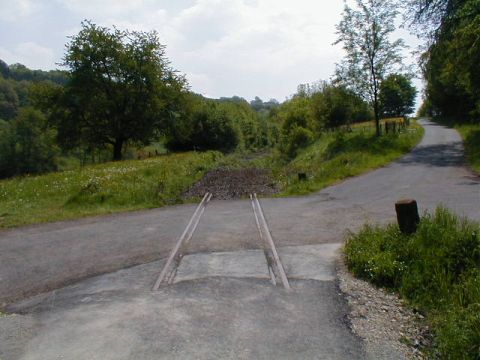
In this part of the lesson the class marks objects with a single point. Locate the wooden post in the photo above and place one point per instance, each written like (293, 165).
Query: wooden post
(407, 216)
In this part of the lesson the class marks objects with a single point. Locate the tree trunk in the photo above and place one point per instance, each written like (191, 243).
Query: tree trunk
(117, 149)
(377, 115)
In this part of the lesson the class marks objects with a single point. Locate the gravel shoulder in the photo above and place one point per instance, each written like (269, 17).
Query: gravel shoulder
(388, 327)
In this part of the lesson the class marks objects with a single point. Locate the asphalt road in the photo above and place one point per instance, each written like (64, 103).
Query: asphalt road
(212, 313)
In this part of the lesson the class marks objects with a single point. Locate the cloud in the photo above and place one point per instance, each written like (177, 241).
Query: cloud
(262, 42)
(31, 54)
(105, 8)
(225, 47)
(12, 10)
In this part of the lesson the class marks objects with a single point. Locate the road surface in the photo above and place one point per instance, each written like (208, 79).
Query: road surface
(221, 312)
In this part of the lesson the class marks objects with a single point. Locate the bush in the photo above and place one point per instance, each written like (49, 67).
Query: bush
(295, 140)
(437, 269)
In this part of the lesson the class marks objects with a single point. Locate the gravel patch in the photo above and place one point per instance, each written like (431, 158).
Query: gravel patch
(389, 329)
(226, 184)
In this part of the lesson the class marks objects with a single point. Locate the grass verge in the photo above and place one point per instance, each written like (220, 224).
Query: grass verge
(155, 182)
(470, 134)
(471, 139)
(437, 270)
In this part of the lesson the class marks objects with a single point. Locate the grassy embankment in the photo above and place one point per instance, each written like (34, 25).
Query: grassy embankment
(332, 158)
(437, 270)
(471, 138)
(142, 184)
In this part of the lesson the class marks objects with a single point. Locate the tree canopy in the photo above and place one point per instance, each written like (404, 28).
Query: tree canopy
(397, 96)
(450, 63)
(121, 89)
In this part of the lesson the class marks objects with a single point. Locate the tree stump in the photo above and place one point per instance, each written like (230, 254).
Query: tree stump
(407, 216)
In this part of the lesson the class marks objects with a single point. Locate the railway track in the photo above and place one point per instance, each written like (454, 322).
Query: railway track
(273, 261)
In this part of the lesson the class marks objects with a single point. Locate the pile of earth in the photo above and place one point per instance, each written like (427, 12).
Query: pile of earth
(227, 184)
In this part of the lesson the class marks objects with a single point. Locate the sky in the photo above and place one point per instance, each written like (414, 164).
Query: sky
(247, 48)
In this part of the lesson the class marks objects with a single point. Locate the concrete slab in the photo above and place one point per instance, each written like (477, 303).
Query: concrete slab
(236, 264)
(310, 262)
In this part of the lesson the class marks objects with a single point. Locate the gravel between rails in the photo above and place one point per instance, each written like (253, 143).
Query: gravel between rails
(388, 327)
(226, 184)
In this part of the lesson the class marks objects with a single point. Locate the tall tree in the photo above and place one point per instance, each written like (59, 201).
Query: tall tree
(428, 18)
(397, 96)
(370, 54)
(450, 63)
(121, 89)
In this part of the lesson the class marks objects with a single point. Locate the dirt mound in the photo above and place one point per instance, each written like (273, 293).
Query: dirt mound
(233, 184)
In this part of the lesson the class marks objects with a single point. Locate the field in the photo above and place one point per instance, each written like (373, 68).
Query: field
(99, 189)
(160, 181)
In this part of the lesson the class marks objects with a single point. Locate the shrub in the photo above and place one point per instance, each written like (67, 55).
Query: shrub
(296, 139)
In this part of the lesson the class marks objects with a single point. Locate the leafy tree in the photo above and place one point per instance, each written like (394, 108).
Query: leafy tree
(27, 144)
(7, 150)
(370, 55)
(9, 101)
(4, 70)
(35, 149)
(397, 96)
(450, 63)
(334, 106)
(429, 18)
(209, 126)
(121, 89)
(425, 110)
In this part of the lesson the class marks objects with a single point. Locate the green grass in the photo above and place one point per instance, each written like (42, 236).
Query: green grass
(100, 189)
(337, 156)
(159, 181)
(437, 270)
(471, 138)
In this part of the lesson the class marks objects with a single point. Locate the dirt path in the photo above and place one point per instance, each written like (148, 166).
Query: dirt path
(116, 316)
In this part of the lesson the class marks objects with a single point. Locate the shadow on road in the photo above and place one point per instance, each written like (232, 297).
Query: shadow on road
(439, 155)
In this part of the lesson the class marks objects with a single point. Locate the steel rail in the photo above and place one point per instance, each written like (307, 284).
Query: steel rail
(174, 253)
(276, 257)
(179, 256)
(264, 242)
